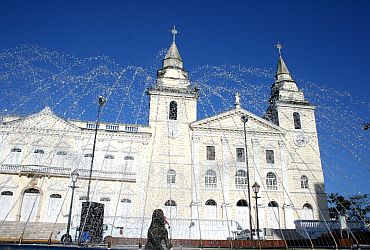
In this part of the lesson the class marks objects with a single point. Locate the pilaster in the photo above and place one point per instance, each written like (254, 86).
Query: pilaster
(288, 206)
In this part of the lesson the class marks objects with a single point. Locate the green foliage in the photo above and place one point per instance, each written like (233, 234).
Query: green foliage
(355, 207)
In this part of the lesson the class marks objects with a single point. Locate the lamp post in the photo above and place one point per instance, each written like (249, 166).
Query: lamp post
(256, 189)
(74, 177)
(101, 102)
(244, 119)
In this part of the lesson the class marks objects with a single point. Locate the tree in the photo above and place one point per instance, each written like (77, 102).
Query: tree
(355, 207)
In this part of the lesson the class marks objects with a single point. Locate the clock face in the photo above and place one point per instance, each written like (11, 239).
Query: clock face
(173, 130)
(300, 140)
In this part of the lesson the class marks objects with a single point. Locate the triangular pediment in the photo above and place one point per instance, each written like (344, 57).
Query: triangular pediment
(231, 120)
(45, 119)
(56, 187)
(107, 149)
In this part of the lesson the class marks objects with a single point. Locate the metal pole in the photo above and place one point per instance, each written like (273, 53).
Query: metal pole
(245, 119)
(93, 154)
(70, 212)
(258, 225)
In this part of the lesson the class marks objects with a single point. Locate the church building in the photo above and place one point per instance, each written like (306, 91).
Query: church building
(196, 169)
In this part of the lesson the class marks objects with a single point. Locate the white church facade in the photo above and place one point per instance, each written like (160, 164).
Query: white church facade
(193, 169)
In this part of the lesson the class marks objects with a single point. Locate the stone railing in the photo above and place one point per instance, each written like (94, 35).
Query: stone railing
(314, 228)
(60, 171)
(137, 227)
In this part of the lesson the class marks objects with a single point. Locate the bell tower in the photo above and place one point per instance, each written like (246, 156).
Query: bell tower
(290, 110)
(173, 106)
(172, 99)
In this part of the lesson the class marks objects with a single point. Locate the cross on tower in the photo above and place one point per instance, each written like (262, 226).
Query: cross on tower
(174, 33)
(279, 47)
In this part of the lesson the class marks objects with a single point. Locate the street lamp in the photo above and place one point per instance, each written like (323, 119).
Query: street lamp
(74, 177)
(244, 119)
(101, 102)
(256, 189)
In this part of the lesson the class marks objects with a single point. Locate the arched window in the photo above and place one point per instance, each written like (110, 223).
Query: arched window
(10, 193)
(173, 111)
(170, 203)
(307, 205)
(39, 151)
(304, 181)
(32, 191)
(297, 120)
(271, 181)
(83, 198)
(16, 150)
(111, 157)
(241, 179)
(211, 202)
(129, 158)
(171, 177)
(211, 179)
(307, 212)
(242, 203)
(55, 196)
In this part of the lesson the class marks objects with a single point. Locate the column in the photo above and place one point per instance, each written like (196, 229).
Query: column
(288, 206)
(225, 178)
(256, 161)
(195, 186)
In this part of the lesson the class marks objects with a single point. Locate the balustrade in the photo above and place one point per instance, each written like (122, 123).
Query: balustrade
(60, 171)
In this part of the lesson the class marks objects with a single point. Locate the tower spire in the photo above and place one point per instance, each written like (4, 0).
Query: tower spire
(173, 58)
(172, 74)
(282, 72)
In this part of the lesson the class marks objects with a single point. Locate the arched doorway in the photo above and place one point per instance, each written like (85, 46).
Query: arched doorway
(54, 207)
(307, 212)
(211, 209)
(242, 213)
(274, 217)
(6, 200)
(170, 209)
(30, 205)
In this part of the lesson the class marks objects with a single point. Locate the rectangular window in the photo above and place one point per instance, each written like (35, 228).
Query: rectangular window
(240, 155)
(211, 154)
(270, 156)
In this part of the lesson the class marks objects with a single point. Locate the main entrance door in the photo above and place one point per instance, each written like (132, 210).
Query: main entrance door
(30, 205)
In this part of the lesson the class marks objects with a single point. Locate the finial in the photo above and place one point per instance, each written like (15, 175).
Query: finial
(174, 33)
(237, 100)
(279, 47)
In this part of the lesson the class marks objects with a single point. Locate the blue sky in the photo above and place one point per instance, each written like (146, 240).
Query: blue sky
(325, 43)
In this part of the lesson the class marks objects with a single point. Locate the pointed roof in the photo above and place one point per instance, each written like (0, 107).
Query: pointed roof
(281, 67)
(173, 58)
